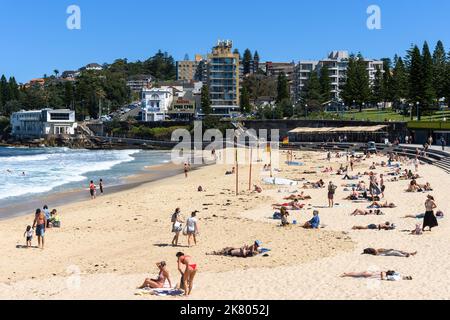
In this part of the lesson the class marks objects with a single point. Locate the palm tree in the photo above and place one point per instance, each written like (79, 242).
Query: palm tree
(56, 72)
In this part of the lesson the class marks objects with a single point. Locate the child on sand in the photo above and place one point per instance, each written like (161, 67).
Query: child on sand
(29, 235)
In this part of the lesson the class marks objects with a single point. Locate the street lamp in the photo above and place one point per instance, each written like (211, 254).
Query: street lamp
(306, 109)
(417, 108)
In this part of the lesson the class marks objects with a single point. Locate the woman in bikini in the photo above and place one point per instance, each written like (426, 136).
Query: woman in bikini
(190, 270)
(162, 277)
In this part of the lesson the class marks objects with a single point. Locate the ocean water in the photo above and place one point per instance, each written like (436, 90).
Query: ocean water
(26, 173)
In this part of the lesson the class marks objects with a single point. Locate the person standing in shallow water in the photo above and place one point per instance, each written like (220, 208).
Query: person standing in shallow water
(92, 189)
(430, 219)
(100, 185)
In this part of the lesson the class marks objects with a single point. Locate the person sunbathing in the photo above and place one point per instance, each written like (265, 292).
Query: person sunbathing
(385, 226)
(353, 196)
(383, 275)
(242, 252)
(373, 167)
(439, 215)
(388, 253)
(413, 186)
(314, 185)
(293, 205)
(301, 196)
(385, 205)
(361, 212)
(160, 281)
(258, 189)
(425, 187)
(418, 230)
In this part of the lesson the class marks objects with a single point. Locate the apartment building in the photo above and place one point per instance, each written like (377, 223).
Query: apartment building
(337, 63)
(188, 70)
(223, 79)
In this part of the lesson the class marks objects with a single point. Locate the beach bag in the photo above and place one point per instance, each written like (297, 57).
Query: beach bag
(185, 231)
(177, 226)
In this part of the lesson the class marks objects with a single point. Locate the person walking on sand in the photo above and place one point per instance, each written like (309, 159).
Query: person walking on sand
(188, 274)
(430, 219)
(29, 235)
(186, 170)
(39, 225)
(192, 228)
(92, 189)
(331, 192)
(177, 226)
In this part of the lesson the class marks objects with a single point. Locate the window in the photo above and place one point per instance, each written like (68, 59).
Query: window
(60, 116)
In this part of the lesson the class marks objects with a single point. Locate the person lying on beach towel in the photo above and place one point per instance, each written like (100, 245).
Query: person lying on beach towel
(384, 275)
(243, 252)
(377, 205)
(347, 177)
(385, 226)
(353, 196)
(388, 253)
(293, 205)
(418, 230)
(360, 212)
(315, 185)
(414, 187)
(439, 215)
(301, 196)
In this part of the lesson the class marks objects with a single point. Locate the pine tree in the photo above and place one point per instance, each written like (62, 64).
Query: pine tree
(447, 82)
(206, 101)
(439, 70)
(282, 88)
(378, 88)
(428, 94)
(14, 89)
(247, 61)
(348, 93)
(325, 84)
(312, 92)
(236, 51)
(414, 59)
(245, 101)
(387, 90)
(5, 92)
(399, 82)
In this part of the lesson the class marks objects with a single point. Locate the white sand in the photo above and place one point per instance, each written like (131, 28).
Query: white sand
(114, 252)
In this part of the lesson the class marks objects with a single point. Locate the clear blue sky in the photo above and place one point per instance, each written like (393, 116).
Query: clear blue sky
(35, 40)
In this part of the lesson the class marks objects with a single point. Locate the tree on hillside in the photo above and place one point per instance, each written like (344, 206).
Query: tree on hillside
(14, 89)
(312, 95)
(387, 90)
(236, 51)
(256, 60)
(282, 87)
(245, 101)
(439, 70)
(56, 72)
(247, 62)
(399, 82)
(325, 84)
(357, 85)
(447, 82)
(414, 59)
(5, 92)
(378, 88)
(205, 99)
(428, 94)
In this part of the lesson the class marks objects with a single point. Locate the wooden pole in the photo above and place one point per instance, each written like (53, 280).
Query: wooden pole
(250, 174)
(237, 172)
(271, 170)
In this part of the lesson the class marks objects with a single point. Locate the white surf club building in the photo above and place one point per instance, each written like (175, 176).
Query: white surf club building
(41, 123)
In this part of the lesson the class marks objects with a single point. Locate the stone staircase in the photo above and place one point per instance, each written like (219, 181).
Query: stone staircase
(444, 164)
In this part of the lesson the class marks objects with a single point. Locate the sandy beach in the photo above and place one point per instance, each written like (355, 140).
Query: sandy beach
(108, 246)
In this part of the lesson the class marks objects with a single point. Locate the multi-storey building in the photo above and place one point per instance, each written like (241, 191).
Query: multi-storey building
(188, 70)
(139, 82)
(223, 79)
(337, 64)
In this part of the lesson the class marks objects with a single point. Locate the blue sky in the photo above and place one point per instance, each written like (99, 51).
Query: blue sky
(35, 39)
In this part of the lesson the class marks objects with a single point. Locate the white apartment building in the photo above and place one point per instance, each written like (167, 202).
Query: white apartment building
(337, 63)
(41, 123)
(156, 103)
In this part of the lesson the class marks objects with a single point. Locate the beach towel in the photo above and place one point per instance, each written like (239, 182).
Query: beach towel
(264, 250)
(294, 163)
(163, 292)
